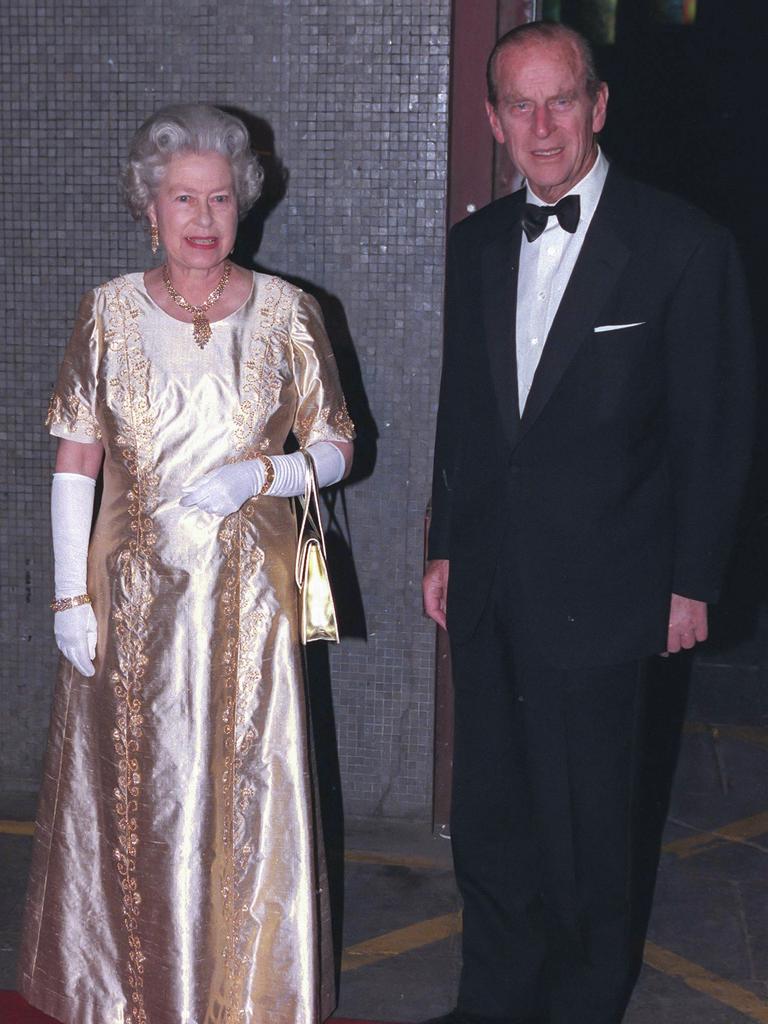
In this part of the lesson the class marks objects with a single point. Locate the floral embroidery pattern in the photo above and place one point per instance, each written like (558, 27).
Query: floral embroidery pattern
(262, 381)
(252, 631)
(73, 414)
(244, 628)
(244, 632)
(325, 425)
(131, 615)
(231, 536)
(130, 628)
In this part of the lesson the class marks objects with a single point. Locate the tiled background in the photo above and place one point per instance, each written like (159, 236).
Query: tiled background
(354, 93)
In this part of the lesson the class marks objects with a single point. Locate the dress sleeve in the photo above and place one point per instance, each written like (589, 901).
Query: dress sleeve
(321, 413)
(72, 409)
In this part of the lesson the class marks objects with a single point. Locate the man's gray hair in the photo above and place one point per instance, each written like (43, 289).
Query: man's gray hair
(189, 128)
(544, 31)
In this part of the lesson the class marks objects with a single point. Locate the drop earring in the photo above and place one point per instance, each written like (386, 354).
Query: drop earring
(154, 239)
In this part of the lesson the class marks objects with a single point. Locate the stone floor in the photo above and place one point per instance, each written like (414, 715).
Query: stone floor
(707, 955)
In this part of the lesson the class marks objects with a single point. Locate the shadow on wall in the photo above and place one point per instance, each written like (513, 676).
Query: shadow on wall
(346, 587)
(338, 536)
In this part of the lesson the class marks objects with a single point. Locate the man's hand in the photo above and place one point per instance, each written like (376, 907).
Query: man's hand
(434, 587)
(687, 623)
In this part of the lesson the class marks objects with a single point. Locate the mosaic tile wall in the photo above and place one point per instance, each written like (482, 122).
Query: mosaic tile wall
(354, 93)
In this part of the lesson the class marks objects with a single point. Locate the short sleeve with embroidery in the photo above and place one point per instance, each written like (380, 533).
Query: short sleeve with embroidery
(322, 412)
(72, 408)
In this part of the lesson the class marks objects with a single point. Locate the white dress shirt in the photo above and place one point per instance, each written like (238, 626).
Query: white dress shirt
(546, 265)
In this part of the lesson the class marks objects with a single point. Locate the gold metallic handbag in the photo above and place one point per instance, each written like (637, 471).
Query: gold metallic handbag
(317, 612)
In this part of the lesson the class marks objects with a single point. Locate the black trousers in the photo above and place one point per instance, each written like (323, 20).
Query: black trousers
(545, 784)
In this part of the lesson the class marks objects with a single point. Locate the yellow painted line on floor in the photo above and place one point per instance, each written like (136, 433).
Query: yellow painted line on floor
(744, 733)
(702, 980)
(737, 832)
(27, 828)
(748, 733)
(17, 828)
(395, 860)
(696, 977)
(403, 940)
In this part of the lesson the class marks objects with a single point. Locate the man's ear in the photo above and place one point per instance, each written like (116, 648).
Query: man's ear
(495, 123)
(599, 108)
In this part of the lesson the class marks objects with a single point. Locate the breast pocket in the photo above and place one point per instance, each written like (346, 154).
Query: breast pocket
(605, 328)
(622, 368)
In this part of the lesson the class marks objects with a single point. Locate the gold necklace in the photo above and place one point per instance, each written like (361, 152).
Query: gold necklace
(201, 332)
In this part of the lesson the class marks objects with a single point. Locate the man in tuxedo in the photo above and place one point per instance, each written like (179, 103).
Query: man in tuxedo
(593, 438)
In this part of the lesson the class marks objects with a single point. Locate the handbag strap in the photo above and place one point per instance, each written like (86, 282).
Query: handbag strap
(311, 517)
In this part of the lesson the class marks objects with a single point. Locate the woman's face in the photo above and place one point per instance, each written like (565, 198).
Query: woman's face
(195, 210)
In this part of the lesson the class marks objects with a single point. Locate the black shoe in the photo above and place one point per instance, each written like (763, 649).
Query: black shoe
(457, 1016)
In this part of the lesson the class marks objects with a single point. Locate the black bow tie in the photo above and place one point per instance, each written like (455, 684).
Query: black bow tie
(535, 217)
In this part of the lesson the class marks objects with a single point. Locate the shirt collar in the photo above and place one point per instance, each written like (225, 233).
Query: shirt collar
(589, 188)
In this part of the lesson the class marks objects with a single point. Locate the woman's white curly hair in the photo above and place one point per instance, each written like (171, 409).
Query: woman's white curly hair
(189, 128)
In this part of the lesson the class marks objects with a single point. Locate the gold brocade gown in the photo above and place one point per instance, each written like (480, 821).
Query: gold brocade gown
(177, 875)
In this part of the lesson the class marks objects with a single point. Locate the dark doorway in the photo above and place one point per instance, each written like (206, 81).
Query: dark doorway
(686, 112)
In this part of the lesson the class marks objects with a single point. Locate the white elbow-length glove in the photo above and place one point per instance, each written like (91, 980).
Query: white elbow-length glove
(224, 490)
(71, 513)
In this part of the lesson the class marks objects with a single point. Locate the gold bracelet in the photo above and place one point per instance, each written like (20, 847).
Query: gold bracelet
(63, 604)
(269, 472)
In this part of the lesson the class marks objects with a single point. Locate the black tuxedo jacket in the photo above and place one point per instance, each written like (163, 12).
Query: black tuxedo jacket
(621, 482)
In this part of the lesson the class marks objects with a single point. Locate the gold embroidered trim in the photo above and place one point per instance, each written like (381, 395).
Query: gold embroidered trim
(262, 382)
(262, 385)
(73, 414)
(242, 675)
(130, 629)
(244, 625)
(231, 538)
(131, 614)
(132, 392)
(325, 425)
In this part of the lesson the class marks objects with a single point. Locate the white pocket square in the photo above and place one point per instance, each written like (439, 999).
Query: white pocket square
(618, 327)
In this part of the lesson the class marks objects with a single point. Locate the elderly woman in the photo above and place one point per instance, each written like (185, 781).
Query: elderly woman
(176, 876)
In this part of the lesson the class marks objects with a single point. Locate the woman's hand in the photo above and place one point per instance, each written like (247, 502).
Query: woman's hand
(75, 631)
(224, 490)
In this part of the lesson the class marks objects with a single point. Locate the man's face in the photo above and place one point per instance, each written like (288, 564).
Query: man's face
(544, 117)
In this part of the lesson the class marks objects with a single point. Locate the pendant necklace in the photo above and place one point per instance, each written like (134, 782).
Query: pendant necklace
(201, 325)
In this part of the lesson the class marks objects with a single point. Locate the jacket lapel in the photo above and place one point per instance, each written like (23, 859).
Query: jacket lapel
(600, 263)
(499, 263)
